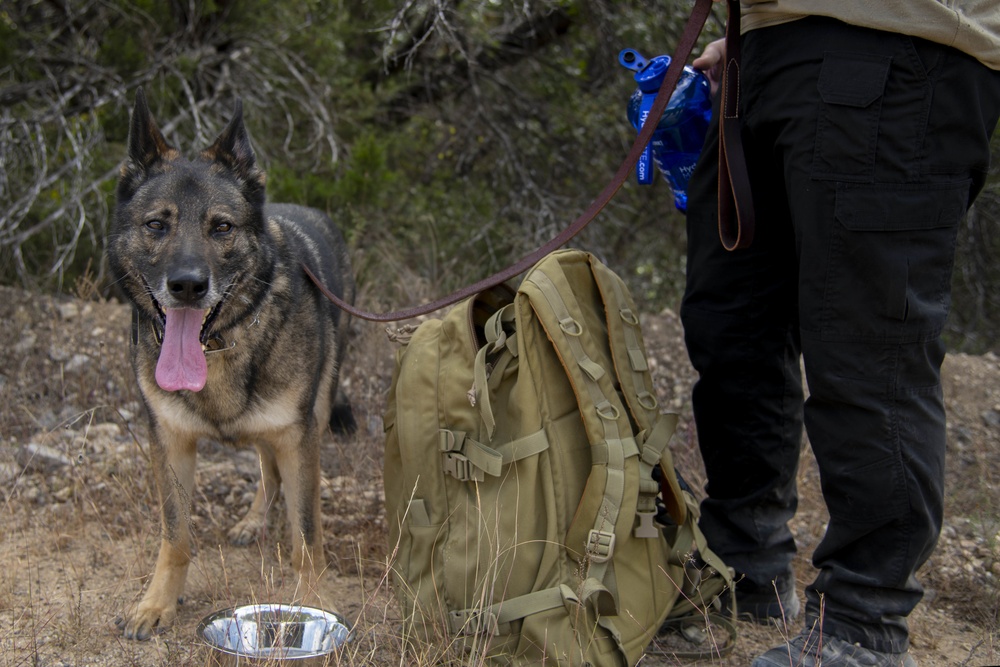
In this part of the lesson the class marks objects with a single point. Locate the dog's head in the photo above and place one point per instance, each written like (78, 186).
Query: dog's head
(185, 235)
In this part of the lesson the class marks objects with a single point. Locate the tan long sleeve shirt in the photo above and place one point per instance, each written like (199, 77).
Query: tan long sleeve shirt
(972, 26)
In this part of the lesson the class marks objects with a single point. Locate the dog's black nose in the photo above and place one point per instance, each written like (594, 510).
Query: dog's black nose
(188, 287)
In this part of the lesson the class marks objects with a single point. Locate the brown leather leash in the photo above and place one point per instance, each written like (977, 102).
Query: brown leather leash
(736, 214)
(689, 37)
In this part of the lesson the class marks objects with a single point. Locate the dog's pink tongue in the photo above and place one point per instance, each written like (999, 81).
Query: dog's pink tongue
(182, 362)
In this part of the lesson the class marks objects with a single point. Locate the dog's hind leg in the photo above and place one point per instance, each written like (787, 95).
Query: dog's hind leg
(174, 459)
(251, 527)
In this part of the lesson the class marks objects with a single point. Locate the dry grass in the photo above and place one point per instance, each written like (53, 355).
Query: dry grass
(79, 537)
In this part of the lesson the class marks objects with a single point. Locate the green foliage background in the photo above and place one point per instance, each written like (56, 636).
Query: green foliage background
(446, 138)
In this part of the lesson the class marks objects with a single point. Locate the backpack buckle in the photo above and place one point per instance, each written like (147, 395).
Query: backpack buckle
(647, 526)
(460, 467)
(600, 546)
(474, 622)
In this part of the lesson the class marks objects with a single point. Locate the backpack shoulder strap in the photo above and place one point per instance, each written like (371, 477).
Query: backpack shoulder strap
(558, 287)
(632, 367)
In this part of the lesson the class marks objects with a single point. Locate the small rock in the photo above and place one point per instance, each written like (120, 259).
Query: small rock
(104, 438)
(77, 363)
(26, 343)
(41, 458)
(992, 418)
(70, 415)
(247, 463)
(68, 310)
(8, 473)
(109, 430)
(961, 436)
(375, 426)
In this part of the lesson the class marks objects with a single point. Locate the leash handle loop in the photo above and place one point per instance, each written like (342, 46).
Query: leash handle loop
(736, 212)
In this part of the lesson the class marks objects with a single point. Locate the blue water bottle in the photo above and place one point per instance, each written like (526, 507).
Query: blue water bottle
(680, 134)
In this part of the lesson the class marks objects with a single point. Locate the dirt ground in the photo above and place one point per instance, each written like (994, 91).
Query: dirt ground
(79, 526)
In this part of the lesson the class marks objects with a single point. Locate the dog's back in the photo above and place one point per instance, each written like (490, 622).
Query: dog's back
(312, 238)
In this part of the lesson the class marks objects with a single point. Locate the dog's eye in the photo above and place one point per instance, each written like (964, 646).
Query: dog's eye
(223, 227)
(155, 225)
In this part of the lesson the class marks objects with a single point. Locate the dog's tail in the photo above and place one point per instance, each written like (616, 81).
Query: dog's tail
(342, 420)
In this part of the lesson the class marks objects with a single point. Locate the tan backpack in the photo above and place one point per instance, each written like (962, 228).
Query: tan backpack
(522, 435)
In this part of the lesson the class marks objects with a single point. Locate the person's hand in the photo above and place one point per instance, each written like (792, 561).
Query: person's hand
(711, 62)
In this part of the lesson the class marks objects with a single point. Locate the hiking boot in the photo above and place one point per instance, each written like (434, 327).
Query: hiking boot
(763, 603)
(813, 649)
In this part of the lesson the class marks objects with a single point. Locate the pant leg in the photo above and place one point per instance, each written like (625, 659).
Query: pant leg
(882, 141)
(741, 331)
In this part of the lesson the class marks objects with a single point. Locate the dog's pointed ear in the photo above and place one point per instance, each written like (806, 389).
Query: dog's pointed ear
(146, 147)
(232, 150)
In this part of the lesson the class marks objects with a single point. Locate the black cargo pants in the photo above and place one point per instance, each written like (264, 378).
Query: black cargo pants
(865, 149)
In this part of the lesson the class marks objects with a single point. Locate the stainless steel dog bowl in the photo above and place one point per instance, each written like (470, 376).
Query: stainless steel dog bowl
(273, 632)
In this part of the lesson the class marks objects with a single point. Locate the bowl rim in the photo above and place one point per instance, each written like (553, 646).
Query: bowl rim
(233, 612)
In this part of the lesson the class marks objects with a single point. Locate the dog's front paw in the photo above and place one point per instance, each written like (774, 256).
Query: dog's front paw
(247, 531)
(146, 619)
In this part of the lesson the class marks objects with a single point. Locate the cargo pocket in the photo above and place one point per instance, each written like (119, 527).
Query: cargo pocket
(892, 253)
(850, 86)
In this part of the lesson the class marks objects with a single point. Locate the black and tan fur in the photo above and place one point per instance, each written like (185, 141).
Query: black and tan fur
(197, 235)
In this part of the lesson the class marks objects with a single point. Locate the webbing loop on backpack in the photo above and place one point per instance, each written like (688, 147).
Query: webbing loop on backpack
(647, 400)
(606, 411)
(628, 317)
(570, 327)
(600, 453)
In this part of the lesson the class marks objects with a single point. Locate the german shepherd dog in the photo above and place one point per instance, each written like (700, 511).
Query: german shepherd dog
(230, 339)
